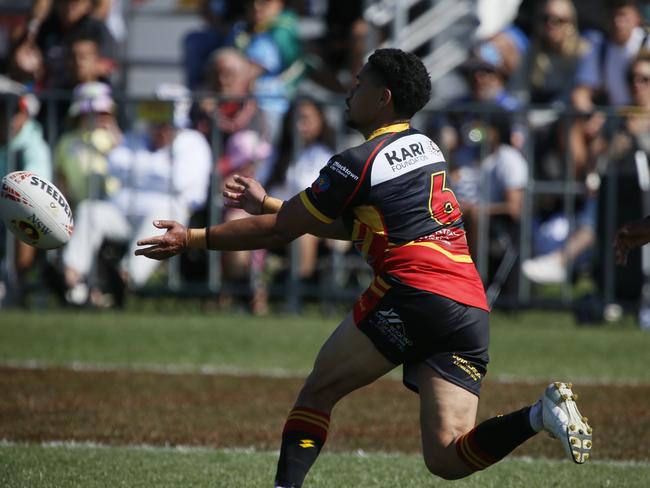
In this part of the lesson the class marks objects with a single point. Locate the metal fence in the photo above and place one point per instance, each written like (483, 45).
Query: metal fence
(343, 275)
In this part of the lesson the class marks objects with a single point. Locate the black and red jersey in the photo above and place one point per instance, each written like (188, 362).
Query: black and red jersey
(404, 219)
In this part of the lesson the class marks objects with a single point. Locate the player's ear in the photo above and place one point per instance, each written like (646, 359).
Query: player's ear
(386, 97)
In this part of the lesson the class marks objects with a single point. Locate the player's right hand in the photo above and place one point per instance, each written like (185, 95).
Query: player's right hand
(171, 243)
(245, 193)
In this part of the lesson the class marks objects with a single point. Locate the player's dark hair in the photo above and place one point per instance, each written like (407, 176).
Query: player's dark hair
(405, 76)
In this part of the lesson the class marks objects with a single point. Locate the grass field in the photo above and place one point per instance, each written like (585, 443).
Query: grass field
(100, 399)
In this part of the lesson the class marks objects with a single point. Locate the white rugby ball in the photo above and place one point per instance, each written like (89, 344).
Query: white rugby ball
(35, 210)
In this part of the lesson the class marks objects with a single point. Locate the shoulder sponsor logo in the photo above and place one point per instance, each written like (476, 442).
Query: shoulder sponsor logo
(342, 170)
(321, 184)
(405, 156)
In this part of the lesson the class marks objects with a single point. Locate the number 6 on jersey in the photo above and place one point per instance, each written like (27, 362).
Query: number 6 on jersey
(443, 206)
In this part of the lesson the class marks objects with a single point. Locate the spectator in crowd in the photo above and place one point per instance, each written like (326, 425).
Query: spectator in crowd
(25, 150)
(84, 61)
(229, 75)
(269, 39)
(600, 77)
(69, 20)
(293, 171)
(504, 176)
(41, 9)
(619, 142)
(80, 156)
(165, 170)
(460, 129)
(546, 77)
(26, 147)
(512, 43)
(601, 74)
(199, 45)
(244, 152)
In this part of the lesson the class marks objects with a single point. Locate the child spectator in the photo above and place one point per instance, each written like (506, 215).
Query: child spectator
(269, 39)
(81, 152)
(229, 75)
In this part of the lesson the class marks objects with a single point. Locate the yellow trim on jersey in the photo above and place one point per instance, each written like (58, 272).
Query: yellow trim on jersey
(313, 210)
(380, 293)
(399, 127)
(369, 215)
(381, 282)
(459, 258)
(367, 241)
(356, 229)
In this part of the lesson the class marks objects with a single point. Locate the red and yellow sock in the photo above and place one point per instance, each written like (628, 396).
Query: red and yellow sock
(494, 439)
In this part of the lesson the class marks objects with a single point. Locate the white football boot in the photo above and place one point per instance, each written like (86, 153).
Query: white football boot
(562, 420)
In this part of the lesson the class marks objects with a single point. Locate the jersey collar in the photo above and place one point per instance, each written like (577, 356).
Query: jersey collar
(399, 127)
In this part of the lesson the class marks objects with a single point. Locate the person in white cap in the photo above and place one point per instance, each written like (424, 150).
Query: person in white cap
(80, 156)
(164, 169)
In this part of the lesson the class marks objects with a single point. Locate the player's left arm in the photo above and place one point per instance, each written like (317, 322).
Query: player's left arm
(256, 232)
(249, 195)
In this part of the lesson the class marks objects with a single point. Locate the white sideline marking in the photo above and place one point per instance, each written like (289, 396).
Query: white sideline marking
(163, 369)
(183, 449)
(208, 370)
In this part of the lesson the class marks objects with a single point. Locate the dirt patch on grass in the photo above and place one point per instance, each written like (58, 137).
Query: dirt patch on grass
(230, 411)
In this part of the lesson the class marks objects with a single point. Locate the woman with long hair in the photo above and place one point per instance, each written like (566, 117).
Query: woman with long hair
(306, 144)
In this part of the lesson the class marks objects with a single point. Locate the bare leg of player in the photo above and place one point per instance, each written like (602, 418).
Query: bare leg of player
(452, 446)
(347, 361)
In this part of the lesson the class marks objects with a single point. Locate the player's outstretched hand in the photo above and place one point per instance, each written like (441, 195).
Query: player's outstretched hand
(169, 244)
(245, 193)
(630, 236)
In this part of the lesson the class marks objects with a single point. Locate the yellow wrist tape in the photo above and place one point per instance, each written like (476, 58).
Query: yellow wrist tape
(197, 238)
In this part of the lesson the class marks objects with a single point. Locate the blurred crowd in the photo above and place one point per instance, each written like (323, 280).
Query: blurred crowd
(559, 96)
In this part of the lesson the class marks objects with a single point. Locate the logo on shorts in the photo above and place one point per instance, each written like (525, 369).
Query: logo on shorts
(306, 443)
(466, 366)
(390, 324)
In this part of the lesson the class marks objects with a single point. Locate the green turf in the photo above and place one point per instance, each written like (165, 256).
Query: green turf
(526, 345)
(94, 467)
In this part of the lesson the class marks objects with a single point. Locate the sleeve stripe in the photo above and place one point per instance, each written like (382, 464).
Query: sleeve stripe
(365, 169)
(313, 210)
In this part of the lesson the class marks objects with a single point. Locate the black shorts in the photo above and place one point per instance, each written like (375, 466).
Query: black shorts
(410, 326)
